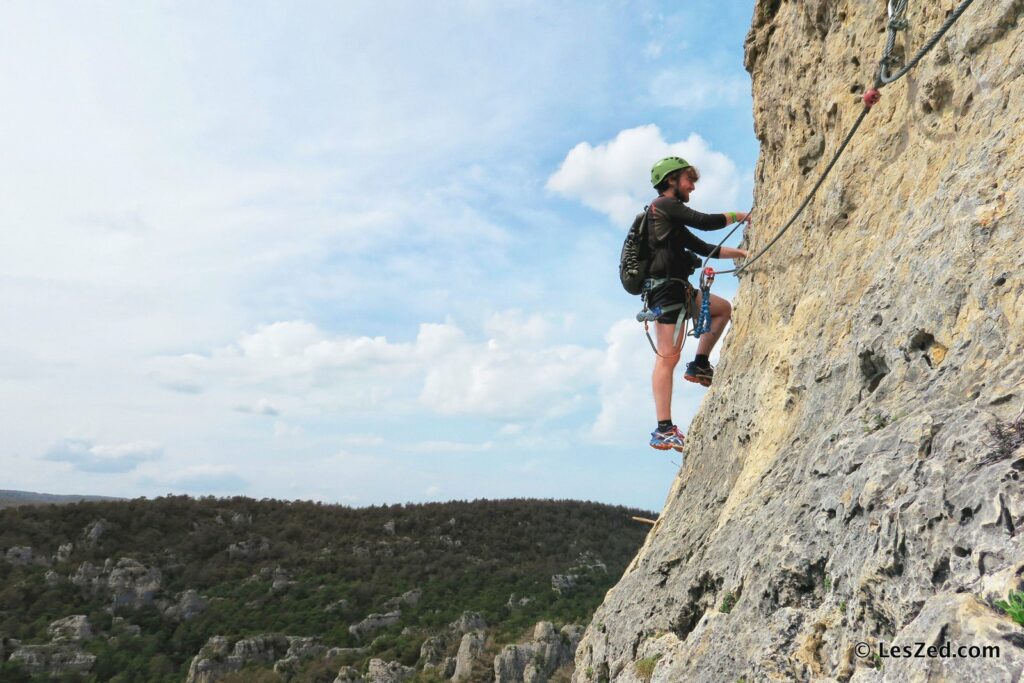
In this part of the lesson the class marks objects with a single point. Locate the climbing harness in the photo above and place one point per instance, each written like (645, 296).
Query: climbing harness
(649, 315)
(897, 22)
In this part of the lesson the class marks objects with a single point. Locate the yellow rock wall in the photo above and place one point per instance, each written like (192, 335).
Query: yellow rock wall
(844, 483)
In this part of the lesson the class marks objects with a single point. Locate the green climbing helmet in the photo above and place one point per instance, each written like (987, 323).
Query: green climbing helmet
(666, 166)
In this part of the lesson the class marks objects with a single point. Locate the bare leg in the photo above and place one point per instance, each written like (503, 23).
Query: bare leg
(664, 363)
(721, 312)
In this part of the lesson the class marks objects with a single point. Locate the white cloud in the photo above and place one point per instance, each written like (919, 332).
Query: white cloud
(519, 369)
(614, 177)
(512, 375)
(287, 356)
(85, 456)
(627, 404)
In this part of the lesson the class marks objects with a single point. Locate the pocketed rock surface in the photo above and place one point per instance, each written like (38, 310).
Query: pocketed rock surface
(843, 484)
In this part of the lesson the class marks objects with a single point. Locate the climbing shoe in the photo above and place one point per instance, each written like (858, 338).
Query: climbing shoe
(700, 374)
(673, 438)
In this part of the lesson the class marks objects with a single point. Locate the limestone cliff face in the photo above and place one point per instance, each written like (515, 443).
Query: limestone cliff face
(842, 485)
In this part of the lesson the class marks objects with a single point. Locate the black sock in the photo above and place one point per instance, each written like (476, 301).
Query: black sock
(702, 360)
(664, 425)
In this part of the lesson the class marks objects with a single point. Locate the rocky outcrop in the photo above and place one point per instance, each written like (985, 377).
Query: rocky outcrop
(433, 654)
(19, 556)
(467, 631)
(211, 662)
(70, 629)
(86, 576)
(514, 601)
(63, 553)
(282, 580)
(468, 621)
(53, 660)
(132, 584)
(374, 622)
(586, 565)
(249, 549)
(349, 674)
(299, 650)
(92, 534)
(844, 483)
(190, 605)
(535, 662)
(305, 648)
(380, 671)
(286, 655)
(564, 583)
(240, 519)
(217, 658)
(471, 653)
(337, 606)
(409, 598)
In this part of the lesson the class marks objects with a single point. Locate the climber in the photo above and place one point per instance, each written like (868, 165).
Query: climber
(672, 261)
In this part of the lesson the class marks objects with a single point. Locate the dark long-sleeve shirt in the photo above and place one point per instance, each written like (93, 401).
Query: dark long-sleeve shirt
(670, 237)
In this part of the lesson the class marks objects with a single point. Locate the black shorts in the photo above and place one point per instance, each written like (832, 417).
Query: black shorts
(670, 294)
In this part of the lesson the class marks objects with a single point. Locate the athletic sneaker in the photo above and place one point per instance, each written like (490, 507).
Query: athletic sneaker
(673, 438)
(699, 373)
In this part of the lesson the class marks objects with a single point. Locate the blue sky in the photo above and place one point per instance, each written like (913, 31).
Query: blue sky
(358, 252)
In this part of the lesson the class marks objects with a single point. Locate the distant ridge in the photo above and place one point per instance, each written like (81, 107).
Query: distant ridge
(10, 499)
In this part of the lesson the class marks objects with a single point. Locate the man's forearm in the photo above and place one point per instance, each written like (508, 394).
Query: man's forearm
(729, 252)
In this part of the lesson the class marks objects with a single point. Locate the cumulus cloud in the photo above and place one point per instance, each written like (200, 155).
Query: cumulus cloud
(625, 390)
(614, 177)
(514, 374)
(86, 456)
(519, 369)
(627, 405)
(286, 355)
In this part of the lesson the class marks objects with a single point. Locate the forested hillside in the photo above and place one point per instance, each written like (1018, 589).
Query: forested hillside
(151, 581)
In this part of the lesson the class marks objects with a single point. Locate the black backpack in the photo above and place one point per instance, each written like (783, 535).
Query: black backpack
(636, 255)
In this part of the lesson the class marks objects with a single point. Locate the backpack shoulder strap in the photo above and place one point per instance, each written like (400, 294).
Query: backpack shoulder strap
(641, 228)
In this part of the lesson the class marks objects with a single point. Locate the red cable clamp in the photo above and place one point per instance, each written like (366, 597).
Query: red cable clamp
(871, 97)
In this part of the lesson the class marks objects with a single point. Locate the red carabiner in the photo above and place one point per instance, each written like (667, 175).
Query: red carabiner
(707, 277)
